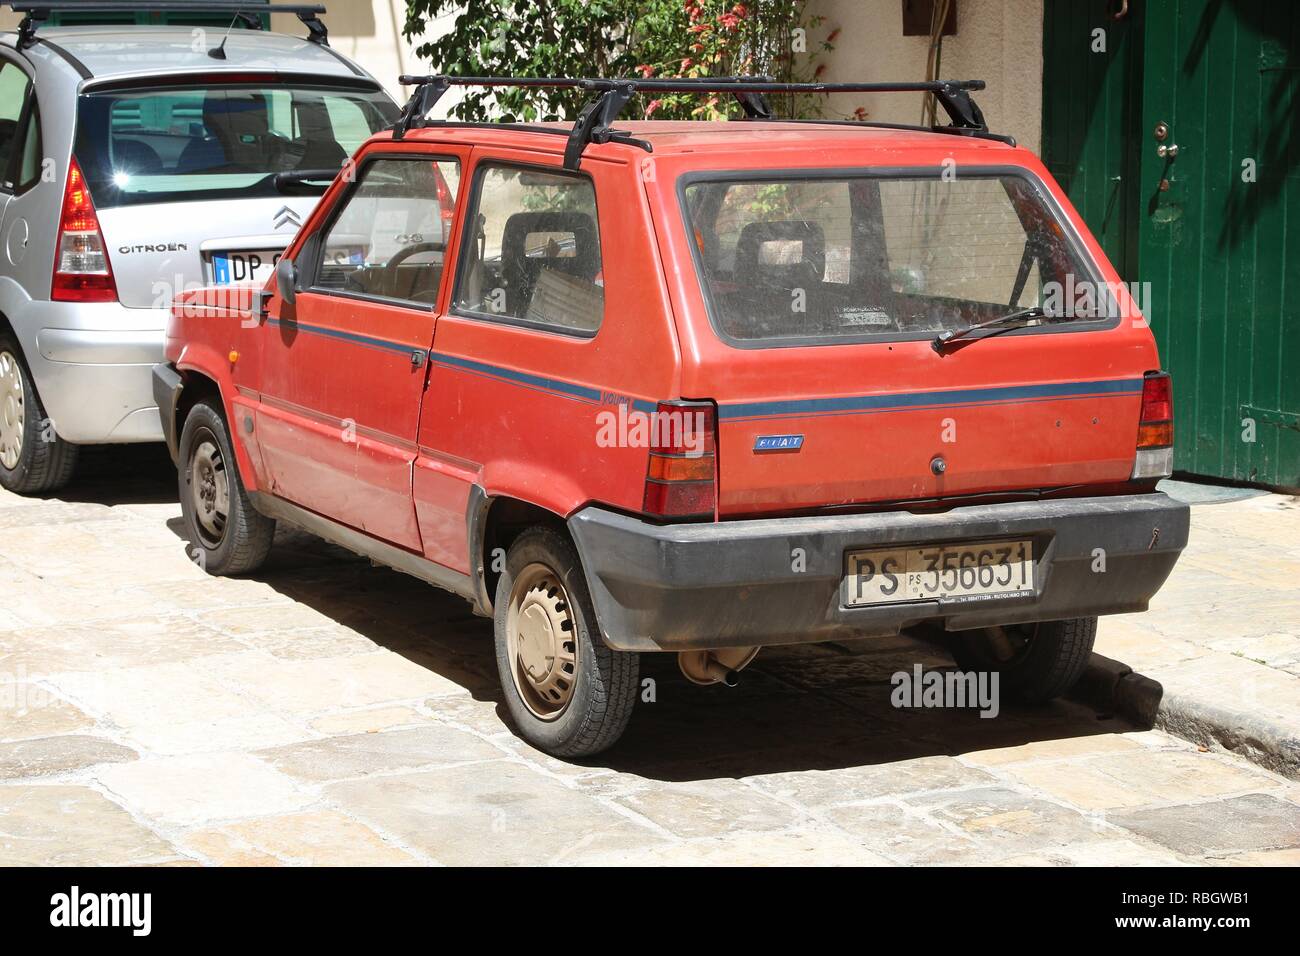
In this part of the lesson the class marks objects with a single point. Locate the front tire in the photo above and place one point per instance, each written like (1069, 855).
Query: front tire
(1037, 662)
(229, 536)
(33, 458)
(568, 693)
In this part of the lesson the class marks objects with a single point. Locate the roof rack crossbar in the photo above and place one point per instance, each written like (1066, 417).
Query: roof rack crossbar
(37, 12)
(594, 123)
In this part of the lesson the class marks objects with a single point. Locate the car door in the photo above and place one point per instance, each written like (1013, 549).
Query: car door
(344, 367)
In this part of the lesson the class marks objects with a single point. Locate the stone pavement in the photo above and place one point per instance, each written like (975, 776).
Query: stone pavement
(329, 712)
(1222, 638)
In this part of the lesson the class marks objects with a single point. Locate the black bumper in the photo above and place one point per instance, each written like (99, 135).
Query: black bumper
(167, 387)
(693, 586)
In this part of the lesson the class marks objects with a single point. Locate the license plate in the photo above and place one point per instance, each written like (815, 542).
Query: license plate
(954, 573)
(230, 268)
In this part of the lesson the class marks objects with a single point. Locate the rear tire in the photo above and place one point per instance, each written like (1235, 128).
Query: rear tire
(229, 536)
(568, 693)
(33, 458)
(1037, 662)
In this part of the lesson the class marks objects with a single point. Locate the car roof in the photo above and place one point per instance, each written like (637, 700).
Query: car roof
(106, 52)
(674, 137)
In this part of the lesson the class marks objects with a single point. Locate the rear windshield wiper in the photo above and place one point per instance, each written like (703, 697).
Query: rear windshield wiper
(296, 177)
(1011, 320)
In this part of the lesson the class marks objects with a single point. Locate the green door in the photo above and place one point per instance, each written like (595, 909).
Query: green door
(1206, 224)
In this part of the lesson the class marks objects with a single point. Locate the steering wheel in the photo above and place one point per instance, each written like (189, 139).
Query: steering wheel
(390, 268)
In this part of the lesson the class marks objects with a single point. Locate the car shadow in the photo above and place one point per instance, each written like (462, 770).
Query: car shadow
(797, 707)
(121, 475)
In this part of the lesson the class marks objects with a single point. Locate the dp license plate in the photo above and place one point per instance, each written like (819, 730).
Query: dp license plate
(229, 268)
(982, 571)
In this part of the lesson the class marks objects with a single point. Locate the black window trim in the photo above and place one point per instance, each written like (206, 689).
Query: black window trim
(990, 171)
(467, 236)
(9, 184)
(314, 245)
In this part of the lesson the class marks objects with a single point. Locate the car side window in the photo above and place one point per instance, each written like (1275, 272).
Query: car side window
(532, 251)
(14, 85)
(389, 240)
(29, 160)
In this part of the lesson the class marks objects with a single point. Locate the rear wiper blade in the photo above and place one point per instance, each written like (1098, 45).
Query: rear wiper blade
(1009, 321)
(296, 176)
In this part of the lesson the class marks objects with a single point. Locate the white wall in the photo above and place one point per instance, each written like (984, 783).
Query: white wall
(999, 41)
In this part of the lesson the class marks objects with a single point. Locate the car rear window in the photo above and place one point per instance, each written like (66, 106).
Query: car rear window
(809, 259)
(170, 145)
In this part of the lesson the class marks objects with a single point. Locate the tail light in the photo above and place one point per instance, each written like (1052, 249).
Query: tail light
(681, 478)
(1155, 440)
(82, 272)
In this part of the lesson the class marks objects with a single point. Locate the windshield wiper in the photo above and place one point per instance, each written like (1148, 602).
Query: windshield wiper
(1011, 320)
(297, 177)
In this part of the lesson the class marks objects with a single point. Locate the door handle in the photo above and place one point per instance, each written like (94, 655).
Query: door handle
(1164, 150)
(417, 357)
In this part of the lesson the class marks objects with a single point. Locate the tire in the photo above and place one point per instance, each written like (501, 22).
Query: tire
(33, 458)
(578, 696)
(1037, 662)
(228, 535)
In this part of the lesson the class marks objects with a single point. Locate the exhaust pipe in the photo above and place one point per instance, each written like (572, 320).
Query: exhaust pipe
(721, 674)
(720, 666)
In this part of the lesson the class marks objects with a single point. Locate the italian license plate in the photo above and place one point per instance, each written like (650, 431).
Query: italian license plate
(980, 571)
(256, 266)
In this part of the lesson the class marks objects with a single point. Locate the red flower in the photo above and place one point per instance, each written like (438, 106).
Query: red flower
(729, 20)
(651, 107)
(645, 69)
(860, 113)
(686, 63)
(821, 68)
(740, 10)
(830, 37)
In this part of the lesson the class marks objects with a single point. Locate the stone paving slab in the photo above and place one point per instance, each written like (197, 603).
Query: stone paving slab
(1221, 640)
(328, 712)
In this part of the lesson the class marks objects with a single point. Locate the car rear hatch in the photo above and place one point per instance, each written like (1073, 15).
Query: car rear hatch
(206, 179)
(829, 292)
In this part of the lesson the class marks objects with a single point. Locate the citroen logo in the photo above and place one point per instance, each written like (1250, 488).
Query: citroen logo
(286, 217)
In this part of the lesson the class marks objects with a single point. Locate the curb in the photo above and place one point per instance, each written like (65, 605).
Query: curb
(1115, 688)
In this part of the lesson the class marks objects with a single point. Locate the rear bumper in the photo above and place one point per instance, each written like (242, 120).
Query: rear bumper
(682, 587)
(91, 363)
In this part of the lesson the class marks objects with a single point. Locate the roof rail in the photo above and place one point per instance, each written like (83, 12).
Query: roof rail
(595, 122)
(37, 12)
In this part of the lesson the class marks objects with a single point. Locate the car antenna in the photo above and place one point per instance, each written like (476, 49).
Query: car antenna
(218, 52)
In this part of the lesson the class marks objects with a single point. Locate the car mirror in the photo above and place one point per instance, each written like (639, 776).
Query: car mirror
(286, 280)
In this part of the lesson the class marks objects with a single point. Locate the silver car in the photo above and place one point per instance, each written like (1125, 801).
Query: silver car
(136, 162)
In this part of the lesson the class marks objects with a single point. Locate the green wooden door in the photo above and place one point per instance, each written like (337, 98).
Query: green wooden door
(1221, 246)
(1214, 244)
(1091, 98)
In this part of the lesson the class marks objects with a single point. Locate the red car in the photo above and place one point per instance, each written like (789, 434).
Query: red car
(697, 388)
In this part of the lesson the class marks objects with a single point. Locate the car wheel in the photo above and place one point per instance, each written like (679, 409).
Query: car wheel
(1036, 661)
(33, 458)
(567, 692)
(228, 535)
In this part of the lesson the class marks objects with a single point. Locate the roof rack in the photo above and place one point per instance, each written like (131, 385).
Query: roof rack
(37, 12)
(595, 122)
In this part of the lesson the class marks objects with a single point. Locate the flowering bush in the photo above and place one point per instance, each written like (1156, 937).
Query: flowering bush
(651, 38)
